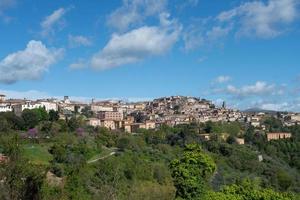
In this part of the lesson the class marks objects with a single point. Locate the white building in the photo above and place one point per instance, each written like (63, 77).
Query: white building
(98, 108)
(295, 118)
(18, 108)
(49, 105)
(94, 122)
(5, 107)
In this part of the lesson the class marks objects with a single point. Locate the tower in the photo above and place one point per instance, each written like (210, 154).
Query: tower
(224, 105)
(66, 99)
(2, 97)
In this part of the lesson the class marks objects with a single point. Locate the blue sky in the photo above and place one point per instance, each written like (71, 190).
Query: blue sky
(241, 51)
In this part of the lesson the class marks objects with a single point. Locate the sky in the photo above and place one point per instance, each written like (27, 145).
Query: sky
(243, 52)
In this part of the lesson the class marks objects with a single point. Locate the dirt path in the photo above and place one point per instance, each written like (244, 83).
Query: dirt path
(101, 158)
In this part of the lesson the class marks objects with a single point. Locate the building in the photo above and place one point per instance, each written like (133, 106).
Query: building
(116, 116)
(295, 118)
(99, 108)
(110, 124)
(66, 100)
(131, 128)
(5, 107)
(240, 141)
(3, 158)
(255, 121)
(205, 136)
(94, 122)
(2, 97)
(18, 108)
(150, 125)
(48, 105)
(140, 106)
(278, 136)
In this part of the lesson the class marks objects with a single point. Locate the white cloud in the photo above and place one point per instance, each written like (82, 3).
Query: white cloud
(187, 4)
(54, 20)
(217, 32)
(193, 2)
(80, 64)
(137, 44)
(260, 88)
(262, 19)
(276, 106)
(193, 38)
(78, 40)
(4, 5)
(199, 35)
(28, 64)
(222, 79)
(201, 59)
(285, 104)
(30, 94)
(36, 94)
(134, 12)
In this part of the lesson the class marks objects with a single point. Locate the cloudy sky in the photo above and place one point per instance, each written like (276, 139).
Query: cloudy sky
(242, 51)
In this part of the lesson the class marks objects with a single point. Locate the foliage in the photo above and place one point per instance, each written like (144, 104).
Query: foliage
(191, 172)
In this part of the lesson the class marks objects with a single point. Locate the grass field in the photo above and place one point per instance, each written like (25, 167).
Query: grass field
(37, 153)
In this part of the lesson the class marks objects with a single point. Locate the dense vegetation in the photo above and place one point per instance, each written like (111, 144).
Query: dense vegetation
(51, 158)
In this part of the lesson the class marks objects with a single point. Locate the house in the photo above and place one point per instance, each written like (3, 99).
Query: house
(110, 124)
(150, 125)
(133, 127)
(240, 141)
(18, 108)
(5, 107)
(255, 121)
(100, 107)
(205, 137)
(94, 122)
(278, 136)
(295, 118)
(127, 128)
(48, 105)
(108, 115)
(3, 158)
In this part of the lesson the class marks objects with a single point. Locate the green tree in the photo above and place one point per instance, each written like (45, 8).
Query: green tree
(31, 118)
(16, 122)
(191, 172)
(53, 115)
(4, 125)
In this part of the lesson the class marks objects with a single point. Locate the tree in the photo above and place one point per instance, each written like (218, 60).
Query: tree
(73, 124)
(4, 125)
(231, 140)
(191, 172)
(42, 114)
(53, 115)
(249, 190)
(22, 180)
(30, 117)
(16, 122)
(86, 111)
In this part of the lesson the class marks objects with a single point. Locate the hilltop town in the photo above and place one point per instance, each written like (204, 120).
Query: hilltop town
(131, 116)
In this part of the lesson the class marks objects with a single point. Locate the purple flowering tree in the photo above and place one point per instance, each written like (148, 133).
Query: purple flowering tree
(80, 132)
(32, 133)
